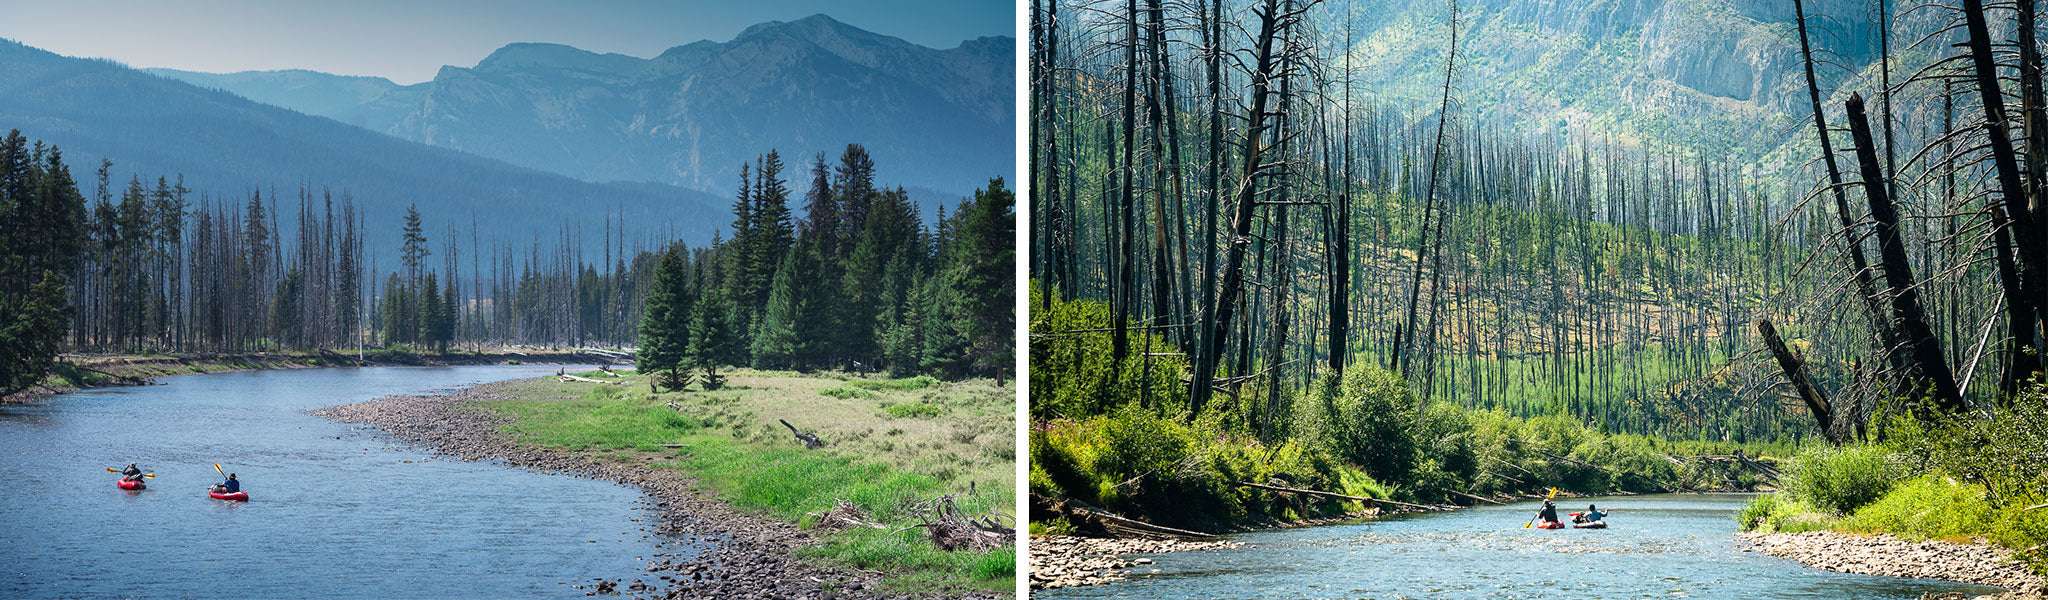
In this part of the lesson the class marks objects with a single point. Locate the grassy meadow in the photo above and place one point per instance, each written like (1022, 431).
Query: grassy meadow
(890, 443)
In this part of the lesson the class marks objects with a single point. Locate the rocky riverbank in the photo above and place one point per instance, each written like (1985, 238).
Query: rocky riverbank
(1059, 561)
(745, 556)
(1977, 563)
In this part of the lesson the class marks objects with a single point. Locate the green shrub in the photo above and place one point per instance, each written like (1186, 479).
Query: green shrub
(914, 410)
(1073, 374)
(1927, 507)
(846, 392)
(913, 383)
(1754, 513)
(1777, 513)
(1368, 420)
(1841, 480)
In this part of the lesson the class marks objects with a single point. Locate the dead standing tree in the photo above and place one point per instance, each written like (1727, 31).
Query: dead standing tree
(1266, 68)
(1404, 337)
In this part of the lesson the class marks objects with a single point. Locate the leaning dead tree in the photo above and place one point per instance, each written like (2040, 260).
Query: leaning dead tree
(1935, 317)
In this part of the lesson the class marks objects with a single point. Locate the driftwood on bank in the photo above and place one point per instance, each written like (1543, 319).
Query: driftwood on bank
(949, 529)
(811, 441)
(1364, 499)
(1113, 522)
(846, 515)
(566, 377)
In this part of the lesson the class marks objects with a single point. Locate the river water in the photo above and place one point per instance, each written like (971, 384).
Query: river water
(334, 512)
(1659, 546)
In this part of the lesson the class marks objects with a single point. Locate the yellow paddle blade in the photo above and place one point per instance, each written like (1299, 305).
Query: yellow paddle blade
(216, 469)
(149, 475)
(112, 470)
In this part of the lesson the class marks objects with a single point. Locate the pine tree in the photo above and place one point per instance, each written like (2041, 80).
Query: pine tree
(413, 250)
(396, 316)
(984, 256)
(432, 317)
(944, 347)
(902, 330)
(665, 326)
(712, 341)
(821, 209)
(42, 232)
(856, 191)
(775, 343)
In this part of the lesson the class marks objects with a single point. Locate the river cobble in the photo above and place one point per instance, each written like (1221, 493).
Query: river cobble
(1978, 563)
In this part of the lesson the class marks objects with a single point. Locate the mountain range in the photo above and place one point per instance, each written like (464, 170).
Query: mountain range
(937, 119)
(227, 147)
(1719, 78)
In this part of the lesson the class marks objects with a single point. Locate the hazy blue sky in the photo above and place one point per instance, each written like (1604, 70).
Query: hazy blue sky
(408, 41)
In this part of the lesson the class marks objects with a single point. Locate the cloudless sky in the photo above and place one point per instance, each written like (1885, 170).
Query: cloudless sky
(407, 41)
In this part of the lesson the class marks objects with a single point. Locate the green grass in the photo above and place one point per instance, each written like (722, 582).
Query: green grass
(846, 392)
(1928, 507)
(737, 447)
(913, 383)
(914, 410)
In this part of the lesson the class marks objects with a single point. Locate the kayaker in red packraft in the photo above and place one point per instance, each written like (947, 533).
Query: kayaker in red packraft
(228, 487)
(1549, 513)
(131, 473)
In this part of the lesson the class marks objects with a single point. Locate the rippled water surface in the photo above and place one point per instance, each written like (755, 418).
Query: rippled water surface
(334, 512)
(1662, 546)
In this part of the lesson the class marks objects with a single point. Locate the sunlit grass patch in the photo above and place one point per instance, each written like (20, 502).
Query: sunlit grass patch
(846, 392)
(733, 442)
(913, 383)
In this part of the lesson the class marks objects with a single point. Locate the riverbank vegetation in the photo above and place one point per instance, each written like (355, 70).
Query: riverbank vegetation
(1122, 440)
(732, 441)
(1958, 479)
(1943, 432)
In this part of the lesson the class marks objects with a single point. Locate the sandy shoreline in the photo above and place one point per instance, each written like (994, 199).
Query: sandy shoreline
(745, 556)
(1977, 563)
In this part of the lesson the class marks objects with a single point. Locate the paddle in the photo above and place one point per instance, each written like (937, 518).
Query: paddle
(117, 472)
(1539, 513)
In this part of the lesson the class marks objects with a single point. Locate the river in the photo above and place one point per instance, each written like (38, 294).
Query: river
(334, 512)
(1659, 546)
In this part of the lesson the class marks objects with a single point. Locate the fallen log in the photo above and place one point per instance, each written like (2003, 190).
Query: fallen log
(1367, 500)
(1479, 498)
(567, 378)
(1062, 503)
(811, 442)
(675, 445)
(1503, 477)
(1532, 447)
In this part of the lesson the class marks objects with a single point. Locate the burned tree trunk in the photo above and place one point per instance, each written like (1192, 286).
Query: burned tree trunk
(1908, 317)
(1795, 371)
(2027, 237)
(1217, 324)
(1866, 289)
(1126, 279)
(1405, 335)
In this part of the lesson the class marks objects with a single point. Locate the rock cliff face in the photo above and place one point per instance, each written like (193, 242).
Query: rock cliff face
(1724, 74)
(940, 119)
